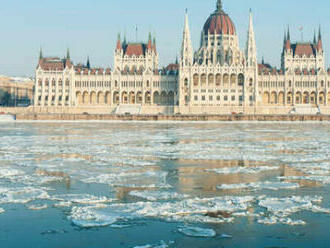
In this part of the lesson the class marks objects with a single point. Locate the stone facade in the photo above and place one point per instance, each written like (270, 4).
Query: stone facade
(219, 78)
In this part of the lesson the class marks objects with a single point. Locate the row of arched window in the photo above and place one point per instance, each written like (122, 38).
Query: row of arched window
(53, 83)
(225, 80)
(281, 98)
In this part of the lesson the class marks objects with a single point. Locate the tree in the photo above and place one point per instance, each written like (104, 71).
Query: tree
(4, 98)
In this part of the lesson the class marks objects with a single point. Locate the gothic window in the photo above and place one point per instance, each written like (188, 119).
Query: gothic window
(203, 79)
(241, 80)
(230, 57)
(225, 80)
(218, 79)
(219, 57)
(233, 80)
(196, 79)
(211, 79)
(186, 82)
(201, 57)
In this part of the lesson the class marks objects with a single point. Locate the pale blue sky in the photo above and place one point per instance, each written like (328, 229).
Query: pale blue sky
(90, 27)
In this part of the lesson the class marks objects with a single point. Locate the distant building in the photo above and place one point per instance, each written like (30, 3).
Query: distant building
(217, 78)
(16, 92)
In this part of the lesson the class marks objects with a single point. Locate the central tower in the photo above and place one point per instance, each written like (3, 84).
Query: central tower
(219, 42)
(219, 73)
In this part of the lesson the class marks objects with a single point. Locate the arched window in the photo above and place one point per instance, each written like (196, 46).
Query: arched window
(218, 80)
(211, 79)
(203, 79)
(186, 82)
(196, 79)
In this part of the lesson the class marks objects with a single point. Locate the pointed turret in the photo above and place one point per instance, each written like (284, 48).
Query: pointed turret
(314, 40)
(149, 42)
(319, 43)
(187, 49)
(288, 41)
(251, 48)
(88, 64)
(119, 47)
(154, 44)
(125, 41)
(40, 54)
(284, 42)
(68, 54)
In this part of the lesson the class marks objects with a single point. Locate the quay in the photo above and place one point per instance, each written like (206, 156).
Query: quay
(112, 117)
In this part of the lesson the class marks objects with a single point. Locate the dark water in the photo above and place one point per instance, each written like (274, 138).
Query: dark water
(134, 184)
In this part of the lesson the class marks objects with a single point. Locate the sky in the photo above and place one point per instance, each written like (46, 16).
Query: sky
(90, 27)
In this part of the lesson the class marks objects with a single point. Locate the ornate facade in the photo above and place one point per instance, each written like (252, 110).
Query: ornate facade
(219, 77)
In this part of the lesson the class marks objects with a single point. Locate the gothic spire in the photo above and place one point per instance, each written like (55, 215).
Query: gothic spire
(187, 49)
(288, 36)
(319, 43)
(149, 42)
(88, 64)
(154, 43)
(251, 48)
(40, 53)
(119, 47)
(68, 54)
(314, 41)
(125, 41)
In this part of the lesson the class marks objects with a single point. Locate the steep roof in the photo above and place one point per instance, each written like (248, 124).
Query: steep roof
(54, 64)
(137, 49)
(301, 49)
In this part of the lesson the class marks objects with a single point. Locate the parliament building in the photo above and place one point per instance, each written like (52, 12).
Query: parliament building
(217, 78)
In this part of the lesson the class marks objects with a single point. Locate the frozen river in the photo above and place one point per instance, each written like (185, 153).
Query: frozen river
(159, 185)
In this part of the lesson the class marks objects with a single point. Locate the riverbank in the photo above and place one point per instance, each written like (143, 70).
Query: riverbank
(109, 117)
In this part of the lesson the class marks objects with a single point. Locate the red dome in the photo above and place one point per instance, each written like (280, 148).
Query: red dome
(219, 23)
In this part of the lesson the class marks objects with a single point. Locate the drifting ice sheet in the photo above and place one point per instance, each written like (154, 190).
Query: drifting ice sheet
(260, 185)
(242, 170)
(157, 195)
(197, 231)
(21, 195)
(191, 210)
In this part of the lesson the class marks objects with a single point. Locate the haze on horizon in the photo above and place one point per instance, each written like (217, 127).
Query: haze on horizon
(90, 28)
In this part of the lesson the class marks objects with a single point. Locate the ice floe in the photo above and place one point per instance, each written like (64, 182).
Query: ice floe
(68, 199)
(10, 172)
(207, 210)
(21, 195)
(161, 244)
(260, 185)
(148, 179)
(2, 210)
(91, 217)
(37, 207)
(321, 179)
(243, 170)
(197, 231)
(157, 195)
(272, 220)
(281, 208)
